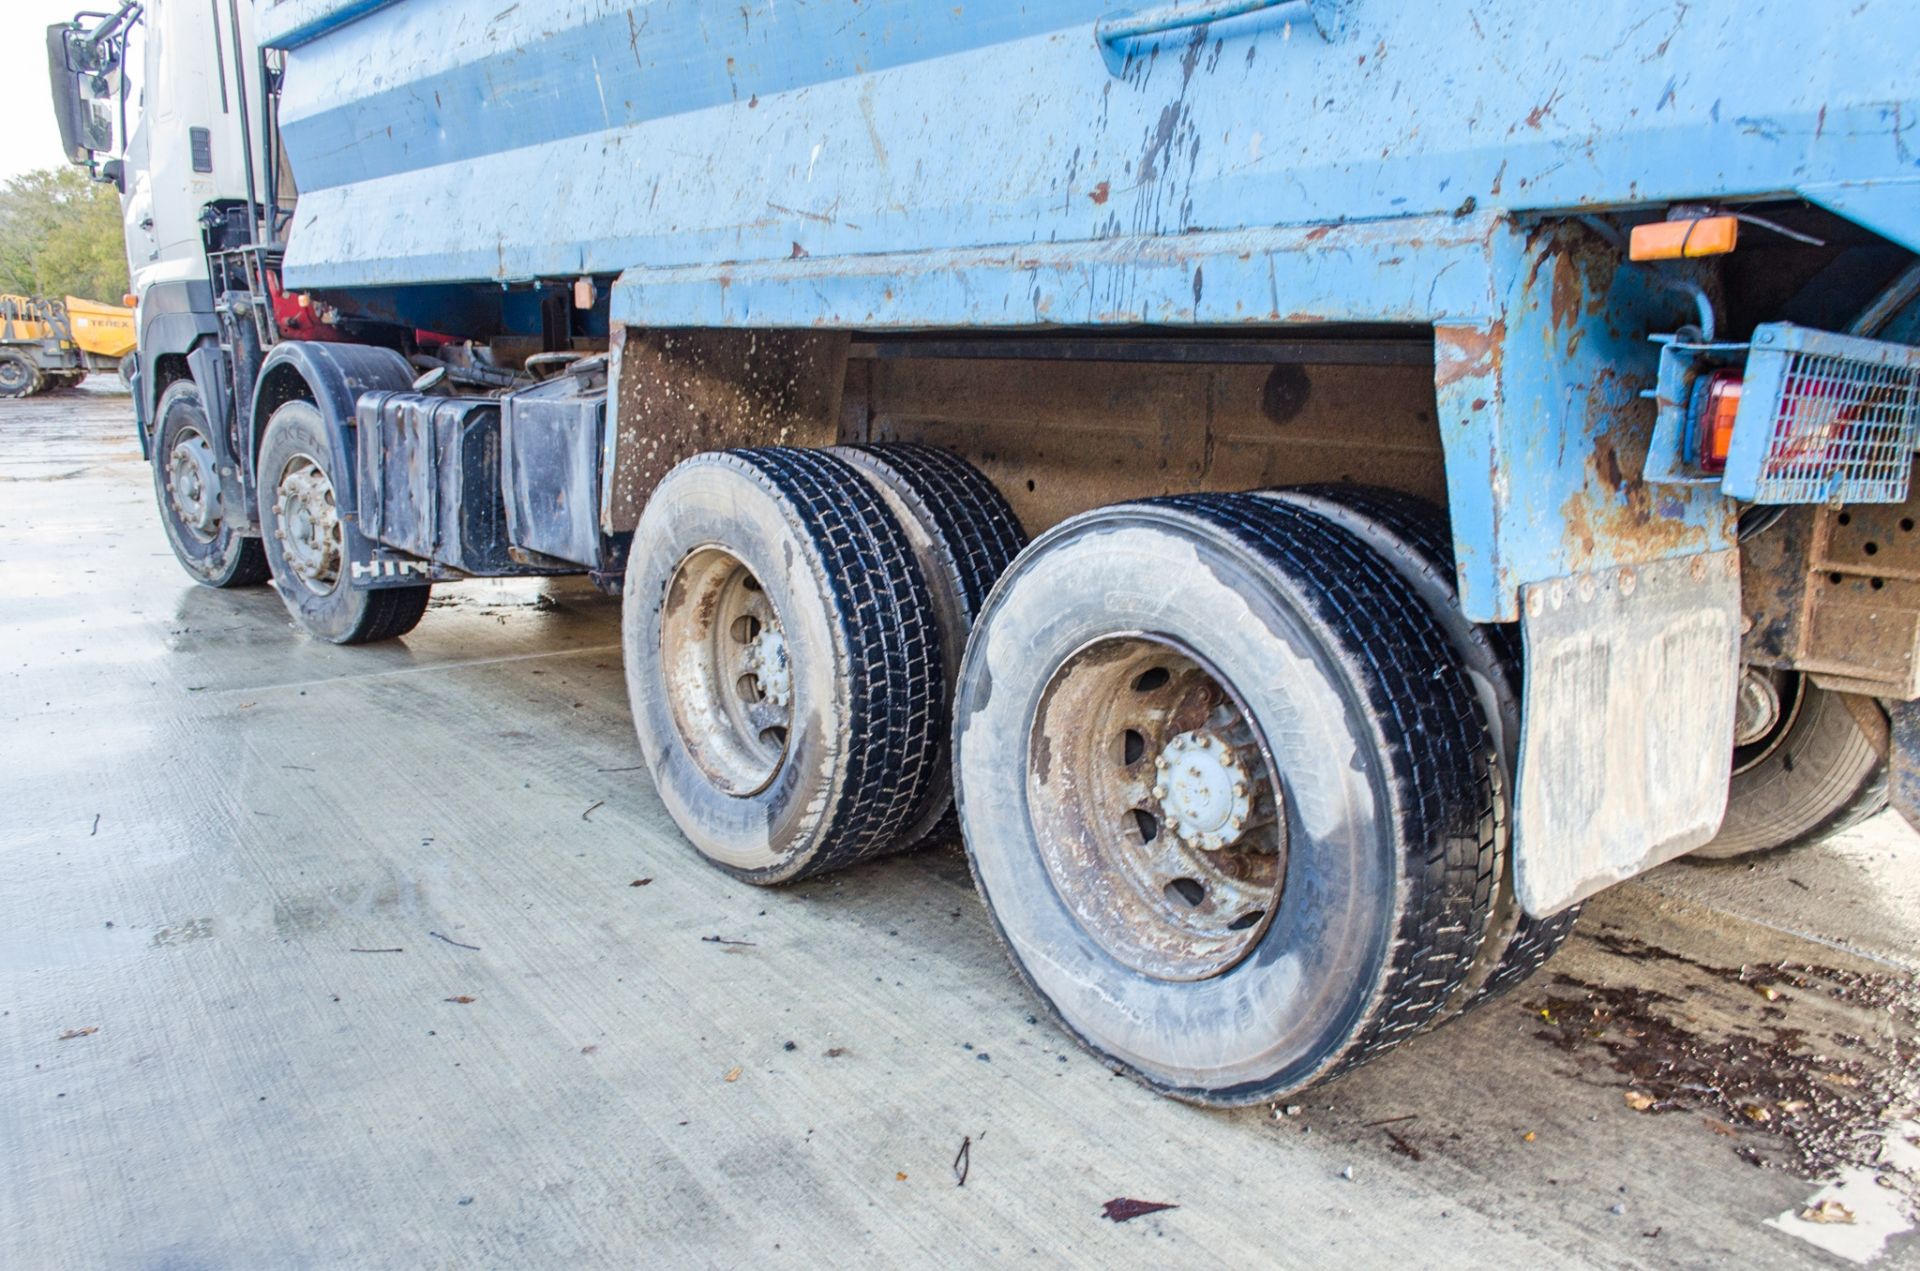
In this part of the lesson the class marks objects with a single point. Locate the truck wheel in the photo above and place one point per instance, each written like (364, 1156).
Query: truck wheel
(1802, 767)
(306, 541)
(963, 536)
(186, 483)
(1226, 793)
(783, 660)
(1413, 536)
(19, 377)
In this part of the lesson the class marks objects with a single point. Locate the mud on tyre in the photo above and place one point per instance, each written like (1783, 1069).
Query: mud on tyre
(783, 662)
(1253, 690)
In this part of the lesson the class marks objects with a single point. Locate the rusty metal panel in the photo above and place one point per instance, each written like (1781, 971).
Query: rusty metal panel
(1626, 739)
(1546, 429)
(682, 392)
(1836, 593)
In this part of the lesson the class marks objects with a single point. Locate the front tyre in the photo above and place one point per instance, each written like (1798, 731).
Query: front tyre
(305, 539)
(1226, 792)
(19, 376)
(187, 481)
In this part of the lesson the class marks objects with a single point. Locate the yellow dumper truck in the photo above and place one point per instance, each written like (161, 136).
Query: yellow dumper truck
(54, 343)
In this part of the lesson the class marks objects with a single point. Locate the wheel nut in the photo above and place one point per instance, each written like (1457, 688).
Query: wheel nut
(1159, 792)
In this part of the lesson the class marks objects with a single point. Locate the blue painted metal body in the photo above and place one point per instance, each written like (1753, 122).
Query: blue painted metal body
(902, 164)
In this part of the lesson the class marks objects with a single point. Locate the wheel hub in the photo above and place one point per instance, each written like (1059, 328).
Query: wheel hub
(1201, 787)
(1156, 808)
(729, 673)
(1757, 708)
(309, 529)
(193, 484)
(765, 659)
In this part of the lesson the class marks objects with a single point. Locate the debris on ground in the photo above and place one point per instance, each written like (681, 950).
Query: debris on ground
(472, 948)
(1826, 1211)
(462, 1000)
(1817, 1094)
(733, 1074)
(963, 1161)
(640, 882)
(723, 940)
(72, 1033)
(1121, 1209)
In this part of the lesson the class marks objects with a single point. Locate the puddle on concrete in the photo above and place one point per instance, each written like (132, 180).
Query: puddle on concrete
(1810, 1086)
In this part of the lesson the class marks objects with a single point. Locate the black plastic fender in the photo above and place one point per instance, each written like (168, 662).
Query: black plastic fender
(332, 377)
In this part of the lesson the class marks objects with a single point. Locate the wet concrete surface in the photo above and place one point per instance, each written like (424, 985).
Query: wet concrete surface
(390, 957)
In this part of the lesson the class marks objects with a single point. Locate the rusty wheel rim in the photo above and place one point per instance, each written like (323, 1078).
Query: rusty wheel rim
(309, 530)
(729, 682)
(1156, 807)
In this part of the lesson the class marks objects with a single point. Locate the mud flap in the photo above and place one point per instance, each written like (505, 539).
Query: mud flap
(1626, 738)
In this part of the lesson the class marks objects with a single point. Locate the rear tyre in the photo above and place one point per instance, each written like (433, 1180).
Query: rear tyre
(1226, 793)
(306, 539)
(1412, 535)
(186, 482)
(963, 536)
(783, 661)
(19, 376)
(1804, 768)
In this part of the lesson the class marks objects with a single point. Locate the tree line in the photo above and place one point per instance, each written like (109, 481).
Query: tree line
(60, 235)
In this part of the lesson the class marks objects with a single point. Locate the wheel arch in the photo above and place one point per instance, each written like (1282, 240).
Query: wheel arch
(332, 377)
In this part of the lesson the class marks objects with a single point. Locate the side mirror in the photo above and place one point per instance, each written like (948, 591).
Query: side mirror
(114, 173)
(81, 100)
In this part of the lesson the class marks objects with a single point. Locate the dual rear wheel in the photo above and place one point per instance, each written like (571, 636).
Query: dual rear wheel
(1234, 799)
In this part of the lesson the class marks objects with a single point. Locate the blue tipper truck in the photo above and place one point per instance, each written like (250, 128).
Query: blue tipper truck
(1315, 489)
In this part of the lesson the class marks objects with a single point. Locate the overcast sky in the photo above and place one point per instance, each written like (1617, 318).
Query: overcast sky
(29, 140)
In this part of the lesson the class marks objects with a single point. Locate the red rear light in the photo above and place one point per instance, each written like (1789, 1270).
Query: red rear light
(1716, 403)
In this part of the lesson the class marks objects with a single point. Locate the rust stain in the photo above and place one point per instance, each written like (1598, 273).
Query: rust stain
(1568, 296)
(1461, 352)
(1100, 192)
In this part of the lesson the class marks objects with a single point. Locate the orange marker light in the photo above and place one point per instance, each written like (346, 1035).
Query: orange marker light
(1716, 405)
(1675, 240)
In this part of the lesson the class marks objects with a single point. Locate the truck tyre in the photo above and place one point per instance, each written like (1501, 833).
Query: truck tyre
(306, 542)
(1413, 536)
(19, 376)
(1226, 793)
(963, 536)
(1806, 769)
(186, 483)
(783, 661)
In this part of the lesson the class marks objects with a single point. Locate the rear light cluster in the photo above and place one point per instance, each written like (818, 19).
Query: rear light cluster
(1710, 416)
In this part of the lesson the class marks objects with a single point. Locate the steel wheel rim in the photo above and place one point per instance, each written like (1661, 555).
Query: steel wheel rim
(309, 531)
(729, 680)
(1156, 807)
(193, 487)
(1790, 696)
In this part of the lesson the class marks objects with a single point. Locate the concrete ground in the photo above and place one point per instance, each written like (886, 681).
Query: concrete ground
(390, 957)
